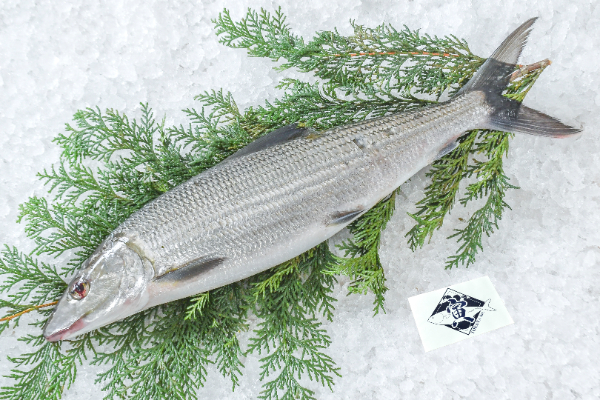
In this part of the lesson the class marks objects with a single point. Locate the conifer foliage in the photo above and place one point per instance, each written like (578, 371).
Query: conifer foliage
(111, 165)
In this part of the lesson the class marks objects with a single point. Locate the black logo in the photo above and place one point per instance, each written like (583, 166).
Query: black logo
(459, 312)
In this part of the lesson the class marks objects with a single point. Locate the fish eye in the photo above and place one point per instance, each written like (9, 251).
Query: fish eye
(79, 289)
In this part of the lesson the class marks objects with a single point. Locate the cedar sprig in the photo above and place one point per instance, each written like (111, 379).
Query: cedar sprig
(290, 338)
(372, 62)
(491, 182)
(361, 260)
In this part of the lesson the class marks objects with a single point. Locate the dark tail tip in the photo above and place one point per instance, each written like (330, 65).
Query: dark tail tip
(532, 122)
(510, 49)
(494, 74)
(509, 115)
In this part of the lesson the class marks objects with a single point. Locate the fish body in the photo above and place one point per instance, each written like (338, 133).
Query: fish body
(278, 197)
(253, 212)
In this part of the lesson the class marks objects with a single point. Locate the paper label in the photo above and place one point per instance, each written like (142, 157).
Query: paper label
(457, 312)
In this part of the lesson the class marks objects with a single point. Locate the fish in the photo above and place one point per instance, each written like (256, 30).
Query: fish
(280, 196)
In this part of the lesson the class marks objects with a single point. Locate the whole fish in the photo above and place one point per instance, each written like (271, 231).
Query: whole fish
(278, 197)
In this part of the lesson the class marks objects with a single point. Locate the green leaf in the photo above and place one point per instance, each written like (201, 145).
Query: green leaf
(447, 173)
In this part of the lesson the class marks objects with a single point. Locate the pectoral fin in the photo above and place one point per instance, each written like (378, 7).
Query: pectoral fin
(191, 269)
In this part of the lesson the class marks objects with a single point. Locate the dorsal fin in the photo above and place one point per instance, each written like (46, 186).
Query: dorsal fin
(278, 136)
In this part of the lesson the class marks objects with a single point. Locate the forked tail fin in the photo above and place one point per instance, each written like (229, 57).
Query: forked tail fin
(509, 115)
(487, 306)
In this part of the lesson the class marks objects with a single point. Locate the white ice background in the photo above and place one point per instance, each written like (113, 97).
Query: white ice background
(60, 56)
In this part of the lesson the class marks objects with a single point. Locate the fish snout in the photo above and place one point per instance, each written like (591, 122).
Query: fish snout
(54, 334)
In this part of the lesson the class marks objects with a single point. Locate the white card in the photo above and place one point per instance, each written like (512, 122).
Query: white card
(457, 312)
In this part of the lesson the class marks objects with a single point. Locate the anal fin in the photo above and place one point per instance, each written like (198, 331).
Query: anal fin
(344, 217)
(447, 149)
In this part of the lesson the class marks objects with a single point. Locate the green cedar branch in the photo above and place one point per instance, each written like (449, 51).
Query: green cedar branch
(447, 173)
(28, 284)
(372, 61)
(54, 369)
(289, 334)
(363, 265)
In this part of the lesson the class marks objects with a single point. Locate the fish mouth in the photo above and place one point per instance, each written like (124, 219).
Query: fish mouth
(65, 333)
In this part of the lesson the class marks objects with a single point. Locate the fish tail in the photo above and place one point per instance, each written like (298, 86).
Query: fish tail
(509, 115)
(487, 307)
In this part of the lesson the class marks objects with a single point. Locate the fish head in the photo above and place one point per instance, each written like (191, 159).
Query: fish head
(109, 286)
(440, 318)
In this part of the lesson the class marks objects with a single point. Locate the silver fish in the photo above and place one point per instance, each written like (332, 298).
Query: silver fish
(278, 197)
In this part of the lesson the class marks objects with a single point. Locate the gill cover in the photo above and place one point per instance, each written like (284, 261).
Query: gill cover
(110, 285)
